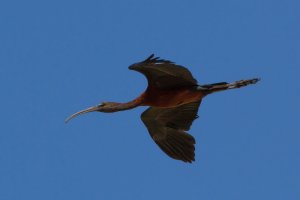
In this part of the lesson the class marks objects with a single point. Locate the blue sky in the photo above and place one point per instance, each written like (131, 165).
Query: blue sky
(58, 57)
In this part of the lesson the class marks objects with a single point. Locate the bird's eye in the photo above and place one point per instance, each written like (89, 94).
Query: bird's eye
(101, 104)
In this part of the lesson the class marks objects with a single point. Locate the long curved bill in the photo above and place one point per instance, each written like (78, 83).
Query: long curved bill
(90, 109)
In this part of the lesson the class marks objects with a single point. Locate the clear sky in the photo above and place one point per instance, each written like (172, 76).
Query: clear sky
(57, 57)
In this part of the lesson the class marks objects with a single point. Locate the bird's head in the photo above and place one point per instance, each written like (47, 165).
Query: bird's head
(106, 107)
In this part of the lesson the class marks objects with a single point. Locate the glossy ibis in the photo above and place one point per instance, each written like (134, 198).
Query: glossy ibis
(174, 98)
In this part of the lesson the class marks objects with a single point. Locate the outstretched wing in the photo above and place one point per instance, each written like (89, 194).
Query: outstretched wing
(168, 126)
(164, 74)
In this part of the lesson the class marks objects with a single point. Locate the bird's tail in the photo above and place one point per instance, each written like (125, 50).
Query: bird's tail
(216, 87)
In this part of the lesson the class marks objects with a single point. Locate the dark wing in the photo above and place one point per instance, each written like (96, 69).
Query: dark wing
(167, 128)
(164, 74)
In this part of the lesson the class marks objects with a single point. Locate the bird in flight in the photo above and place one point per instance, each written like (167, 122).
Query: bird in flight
(173, 96)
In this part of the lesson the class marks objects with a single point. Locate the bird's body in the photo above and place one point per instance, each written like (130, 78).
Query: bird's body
(171, 97)
(174, 97)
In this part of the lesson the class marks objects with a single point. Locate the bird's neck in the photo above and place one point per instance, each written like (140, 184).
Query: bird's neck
(128, 105)
(125, 106)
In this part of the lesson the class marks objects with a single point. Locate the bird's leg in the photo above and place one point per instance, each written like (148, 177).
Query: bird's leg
(242, 83)
(216, 87)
